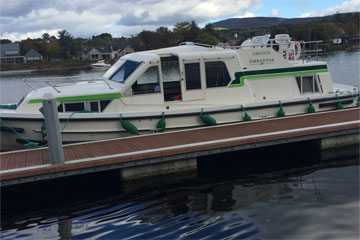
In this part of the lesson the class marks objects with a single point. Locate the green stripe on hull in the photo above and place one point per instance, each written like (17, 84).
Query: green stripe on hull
(280, 72)
(83, 98)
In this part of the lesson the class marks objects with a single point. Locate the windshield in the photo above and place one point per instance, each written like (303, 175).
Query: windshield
(124, 71)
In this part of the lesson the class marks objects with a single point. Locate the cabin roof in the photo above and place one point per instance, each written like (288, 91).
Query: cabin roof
(187, 49)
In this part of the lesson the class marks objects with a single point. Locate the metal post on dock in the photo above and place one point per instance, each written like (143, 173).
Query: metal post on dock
(52, 129)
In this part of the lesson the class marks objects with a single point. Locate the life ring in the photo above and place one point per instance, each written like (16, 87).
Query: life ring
(295, 48)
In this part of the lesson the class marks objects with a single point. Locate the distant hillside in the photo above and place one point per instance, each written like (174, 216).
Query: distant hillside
(264, 22)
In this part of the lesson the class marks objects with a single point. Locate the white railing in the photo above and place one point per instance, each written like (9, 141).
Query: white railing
(307, 48)
(56, 82)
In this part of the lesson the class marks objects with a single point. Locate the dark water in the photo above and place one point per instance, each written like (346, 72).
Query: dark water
(314, 203)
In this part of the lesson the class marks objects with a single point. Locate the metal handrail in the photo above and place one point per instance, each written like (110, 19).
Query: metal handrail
(69, 80)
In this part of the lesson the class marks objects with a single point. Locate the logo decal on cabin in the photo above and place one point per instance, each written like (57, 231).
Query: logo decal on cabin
(278, 72)
(262, 61)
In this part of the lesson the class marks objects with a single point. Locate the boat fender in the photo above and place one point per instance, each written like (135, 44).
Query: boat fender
(339, 105)
(207, 119)
(128, 126)
(311, 108)
(161, 124)
(246, 116)
(281, 112)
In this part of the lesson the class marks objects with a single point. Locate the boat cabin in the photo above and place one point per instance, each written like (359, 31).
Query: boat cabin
(193, 76)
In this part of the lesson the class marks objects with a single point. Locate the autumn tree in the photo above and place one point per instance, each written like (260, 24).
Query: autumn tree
(54, 49)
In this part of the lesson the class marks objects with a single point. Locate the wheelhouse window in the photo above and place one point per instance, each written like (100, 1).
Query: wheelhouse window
(217, 74)
(124, 71)
(148, 82)
(307, 84)
(192, 75)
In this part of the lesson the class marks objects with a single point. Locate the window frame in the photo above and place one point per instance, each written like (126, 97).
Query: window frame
(128, 74)
(200, 77)
(129, 92)
(315, 84)
(87, 106)
(227, 71)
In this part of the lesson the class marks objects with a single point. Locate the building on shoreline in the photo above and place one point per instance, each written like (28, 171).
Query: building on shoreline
(33, 55)
(10, 53)
(112, 51)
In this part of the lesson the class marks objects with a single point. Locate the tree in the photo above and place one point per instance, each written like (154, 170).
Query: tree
(65, 42)
(163, 38)
(46, 36)
(179, 31)
(54, 49)
(351, 29)
(192, 33)
(207, 38)
(2, 41)
(105, 36)
(26, 45)
(325, 31)
(146, 38)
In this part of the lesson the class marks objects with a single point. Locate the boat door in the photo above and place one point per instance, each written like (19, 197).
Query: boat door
(171, 78)
(192, 77)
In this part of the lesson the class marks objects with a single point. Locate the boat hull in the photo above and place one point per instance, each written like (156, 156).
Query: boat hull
(87, 127)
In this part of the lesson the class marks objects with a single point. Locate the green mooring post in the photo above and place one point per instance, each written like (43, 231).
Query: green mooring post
(49, 110)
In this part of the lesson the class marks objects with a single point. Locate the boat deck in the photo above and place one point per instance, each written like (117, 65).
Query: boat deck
(131, 151)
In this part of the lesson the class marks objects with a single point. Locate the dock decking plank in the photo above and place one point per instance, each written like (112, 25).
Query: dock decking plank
(133, 146)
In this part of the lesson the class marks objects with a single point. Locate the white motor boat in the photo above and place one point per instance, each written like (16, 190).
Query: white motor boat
(186, 86)
(101, 64)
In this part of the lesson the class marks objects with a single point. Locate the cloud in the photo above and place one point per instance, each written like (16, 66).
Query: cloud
(274, 13)
(84, 18)
(246, 15)
(347, 6)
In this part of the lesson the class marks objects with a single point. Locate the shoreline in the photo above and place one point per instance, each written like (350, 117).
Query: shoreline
(40, 71)
(47, 67)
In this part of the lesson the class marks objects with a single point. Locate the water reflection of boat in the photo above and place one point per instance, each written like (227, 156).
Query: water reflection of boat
(101, 64)
(181, 87)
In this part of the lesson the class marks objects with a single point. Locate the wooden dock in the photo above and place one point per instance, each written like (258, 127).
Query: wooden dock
(34, 165)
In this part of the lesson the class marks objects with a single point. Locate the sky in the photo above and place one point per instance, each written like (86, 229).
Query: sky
(20, 19)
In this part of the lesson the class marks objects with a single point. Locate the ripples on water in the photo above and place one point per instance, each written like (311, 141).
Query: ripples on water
(314, 203)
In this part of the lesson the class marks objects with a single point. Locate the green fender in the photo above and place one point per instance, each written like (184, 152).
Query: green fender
(311, 108)
(207, 119)
(161, 124)
(281, 112)
(128, 126)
